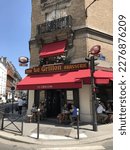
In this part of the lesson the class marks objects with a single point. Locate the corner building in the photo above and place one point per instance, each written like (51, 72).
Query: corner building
(62, 34)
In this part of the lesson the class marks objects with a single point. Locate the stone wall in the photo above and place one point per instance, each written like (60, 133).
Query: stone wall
(99, 17)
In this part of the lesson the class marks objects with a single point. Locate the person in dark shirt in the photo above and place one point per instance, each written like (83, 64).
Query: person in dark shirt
(73, 114)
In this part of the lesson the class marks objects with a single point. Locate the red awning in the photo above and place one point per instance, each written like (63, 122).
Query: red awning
(50, 81)
(102, 81)
(64, 80)
(103, 74)
(53, 49)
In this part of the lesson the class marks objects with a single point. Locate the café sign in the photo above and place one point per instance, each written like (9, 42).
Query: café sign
(23, 61)
(56, 68)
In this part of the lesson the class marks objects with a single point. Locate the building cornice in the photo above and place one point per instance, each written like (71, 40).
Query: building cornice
(93, 34)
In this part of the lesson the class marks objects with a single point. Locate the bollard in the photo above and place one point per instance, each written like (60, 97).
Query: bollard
(22, 126)
(77, 123)
(38, 120)
(2, 125)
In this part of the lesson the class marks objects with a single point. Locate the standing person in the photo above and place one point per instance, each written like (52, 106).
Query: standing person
(20, 105)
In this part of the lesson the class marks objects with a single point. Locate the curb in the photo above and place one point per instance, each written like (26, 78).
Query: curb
(29, 140)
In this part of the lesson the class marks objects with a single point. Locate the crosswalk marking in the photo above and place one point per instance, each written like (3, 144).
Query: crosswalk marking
(75, 148)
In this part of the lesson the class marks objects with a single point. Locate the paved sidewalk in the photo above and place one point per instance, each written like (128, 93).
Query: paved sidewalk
(51, 134)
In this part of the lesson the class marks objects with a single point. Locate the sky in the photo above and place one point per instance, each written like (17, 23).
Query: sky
(15, 31)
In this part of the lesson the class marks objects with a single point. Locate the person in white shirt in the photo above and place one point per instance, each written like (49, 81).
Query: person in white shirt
(20, 105)
(101, 112)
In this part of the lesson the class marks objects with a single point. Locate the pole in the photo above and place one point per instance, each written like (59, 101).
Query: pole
(22, 126)
(2, 124)
(38, 120)
(92, 65)
(12, 101)
(77, 123)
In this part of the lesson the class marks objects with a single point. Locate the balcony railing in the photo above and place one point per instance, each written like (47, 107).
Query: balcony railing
(50, 26)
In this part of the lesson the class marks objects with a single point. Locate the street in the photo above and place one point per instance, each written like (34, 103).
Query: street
(106, 145)
(8, 107)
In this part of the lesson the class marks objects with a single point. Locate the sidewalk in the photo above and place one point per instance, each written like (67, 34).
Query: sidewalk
(51, 134)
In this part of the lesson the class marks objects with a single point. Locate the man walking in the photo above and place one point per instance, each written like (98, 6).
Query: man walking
(20, 105)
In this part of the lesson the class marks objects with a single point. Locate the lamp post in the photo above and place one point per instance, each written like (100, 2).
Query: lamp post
(94, 51)
(93, 94)
(86, 13)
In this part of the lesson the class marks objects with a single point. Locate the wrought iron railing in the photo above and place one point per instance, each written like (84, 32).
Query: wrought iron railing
(61, 23)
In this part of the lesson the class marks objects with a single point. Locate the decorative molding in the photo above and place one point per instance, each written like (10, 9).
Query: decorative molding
(94, 34)
(49, 3)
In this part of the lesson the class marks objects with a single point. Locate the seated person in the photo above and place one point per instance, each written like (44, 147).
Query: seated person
(73, 114)
(108, 107)
(101, 112)
(109, 112)
(64, 109)
(60, 118)
(63, 115)
(34, 113)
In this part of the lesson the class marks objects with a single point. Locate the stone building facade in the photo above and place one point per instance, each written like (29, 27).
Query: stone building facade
(83, 24)
(3, 77)
(9, 77)
(13, 77)
(91, 25)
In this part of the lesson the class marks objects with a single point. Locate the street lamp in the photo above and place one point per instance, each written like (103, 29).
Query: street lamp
(86, 10)
(94, 51)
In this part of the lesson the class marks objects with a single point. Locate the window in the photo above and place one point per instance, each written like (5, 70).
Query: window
(69, 94)
(43, 1)
(52, 60)
(49, 3)
(55, 14)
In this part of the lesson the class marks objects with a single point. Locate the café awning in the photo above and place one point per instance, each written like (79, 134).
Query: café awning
(63, 80)
(52, 49)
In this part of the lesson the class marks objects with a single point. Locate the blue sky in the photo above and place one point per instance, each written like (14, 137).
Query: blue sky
(15, 30)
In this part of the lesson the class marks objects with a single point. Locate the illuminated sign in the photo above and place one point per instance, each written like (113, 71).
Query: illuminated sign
(56, 68)
(95, 50)
(23, 61)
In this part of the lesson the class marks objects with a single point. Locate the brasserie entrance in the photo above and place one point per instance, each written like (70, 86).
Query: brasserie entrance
(53, 102)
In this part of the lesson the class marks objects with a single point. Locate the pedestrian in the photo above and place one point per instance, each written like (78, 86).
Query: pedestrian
(20, 105)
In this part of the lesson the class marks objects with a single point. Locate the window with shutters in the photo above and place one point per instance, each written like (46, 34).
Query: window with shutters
(56, 14)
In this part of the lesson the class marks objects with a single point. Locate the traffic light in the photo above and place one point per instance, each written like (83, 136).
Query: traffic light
(95, 89)
(12, 88)
(93, 63)
(92, 66)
